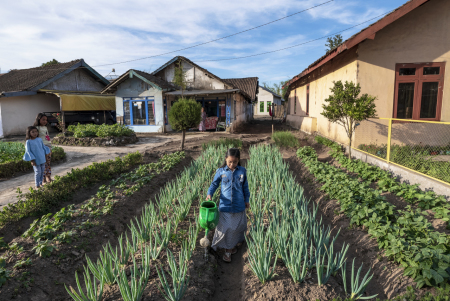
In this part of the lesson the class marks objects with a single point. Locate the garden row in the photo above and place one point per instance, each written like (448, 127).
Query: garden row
(283, 226)
(11, 161)
(405, 235)
(149, 239)
(50, 232)
(412, 194)
(42, 201)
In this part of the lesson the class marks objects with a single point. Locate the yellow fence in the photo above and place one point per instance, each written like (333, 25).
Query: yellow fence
(421, 146)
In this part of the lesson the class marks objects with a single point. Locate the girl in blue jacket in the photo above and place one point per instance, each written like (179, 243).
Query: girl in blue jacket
(234, 199)
(35, 151)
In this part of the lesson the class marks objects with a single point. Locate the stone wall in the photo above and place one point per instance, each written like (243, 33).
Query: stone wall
(95, 141)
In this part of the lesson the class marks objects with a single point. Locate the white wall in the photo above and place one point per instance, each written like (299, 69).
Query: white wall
(134, 87)
(264, 96)
(17, 113)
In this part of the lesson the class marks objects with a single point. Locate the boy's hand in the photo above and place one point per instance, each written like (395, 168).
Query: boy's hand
(33, 162)
(247, 205)
(208, 198)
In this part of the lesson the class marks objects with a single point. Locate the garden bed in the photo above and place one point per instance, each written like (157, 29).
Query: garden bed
(11, 161)
(96, 141)
(44, 279)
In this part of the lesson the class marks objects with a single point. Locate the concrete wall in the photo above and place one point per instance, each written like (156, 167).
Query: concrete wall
(134, 87)
(195, 78)
(17, 113)
(243, 111)
(77, 80)
(344, 69)
(264, 96)
(422, 36)
(405, 175)
(304, 123)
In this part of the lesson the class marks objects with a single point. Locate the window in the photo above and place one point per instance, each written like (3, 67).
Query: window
(295, 102)
(307, 99)
(261, 106)
(139, 111)
(418, 91)
(269, 103)
(235, 112)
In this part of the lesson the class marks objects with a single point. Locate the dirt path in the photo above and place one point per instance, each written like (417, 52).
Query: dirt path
(80, 157)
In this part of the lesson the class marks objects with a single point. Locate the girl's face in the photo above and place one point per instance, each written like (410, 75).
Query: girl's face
(43, 121)
(232, 162)
(34, 133)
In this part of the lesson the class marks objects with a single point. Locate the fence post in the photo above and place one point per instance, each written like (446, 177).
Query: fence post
(388, 155)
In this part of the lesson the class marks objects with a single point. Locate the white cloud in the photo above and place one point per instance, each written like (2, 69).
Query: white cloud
(102, 32)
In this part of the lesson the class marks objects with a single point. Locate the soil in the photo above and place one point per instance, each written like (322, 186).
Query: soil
(213, 279)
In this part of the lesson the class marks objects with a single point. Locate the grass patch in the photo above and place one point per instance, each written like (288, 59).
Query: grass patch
(286, 139)
(223, 142)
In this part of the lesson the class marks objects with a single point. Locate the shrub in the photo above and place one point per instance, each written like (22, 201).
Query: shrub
(222, 141)
(183, 115)
(286, 139)
(41, 201)
(11, 158)
(103, 130)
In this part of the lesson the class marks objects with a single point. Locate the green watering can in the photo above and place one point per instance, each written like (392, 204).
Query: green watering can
(209, 217)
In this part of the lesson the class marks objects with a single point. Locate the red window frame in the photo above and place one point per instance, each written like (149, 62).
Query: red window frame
(418, 79)
(307, 99)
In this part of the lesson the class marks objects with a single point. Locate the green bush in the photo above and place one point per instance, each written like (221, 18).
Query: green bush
(286, 139)
(223, 141)
(103, 130)
(38, 202)
(183, 115)
(11, 160)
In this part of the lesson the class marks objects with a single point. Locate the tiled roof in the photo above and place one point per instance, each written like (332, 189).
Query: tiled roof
(154, 79)
(248, 85)
(27, 79)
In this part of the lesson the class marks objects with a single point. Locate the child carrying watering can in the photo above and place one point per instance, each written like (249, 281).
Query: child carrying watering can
(234, 199)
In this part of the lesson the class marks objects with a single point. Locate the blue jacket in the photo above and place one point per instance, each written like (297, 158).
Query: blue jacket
(234, 192)
(35, 150)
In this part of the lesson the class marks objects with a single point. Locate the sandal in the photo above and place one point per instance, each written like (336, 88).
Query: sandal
(227, 257)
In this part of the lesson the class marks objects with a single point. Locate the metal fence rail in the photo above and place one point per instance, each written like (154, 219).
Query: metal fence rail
(421, 146)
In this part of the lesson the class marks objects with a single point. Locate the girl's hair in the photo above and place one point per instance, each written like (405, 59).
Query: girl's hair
(39, 116)
(233, 152)
(29, 129)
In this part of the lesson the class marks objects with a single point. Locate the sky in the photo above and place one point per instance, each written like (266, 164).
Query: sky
(105, 33)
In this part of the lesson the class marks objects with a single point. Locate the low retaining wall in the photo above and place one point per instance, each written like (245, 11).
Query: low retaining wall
(95, 141)
(404, 175)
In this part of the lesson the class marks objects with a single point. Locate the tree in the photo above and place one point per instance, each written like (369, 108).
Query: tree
(347, 109)
(333, 42)
(277, 88)
(183, 115)
(179, 77)
(52, 62)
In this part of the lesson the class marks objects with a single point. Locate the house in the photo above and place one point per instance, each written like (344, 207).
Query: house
(143, 99)
(71, 86)
(265, 99)
(401, 59)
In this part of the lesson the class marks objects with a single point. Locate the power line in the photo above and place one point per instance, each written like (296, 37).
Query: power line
(310, 41)
(204, 43)
(218, 39)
